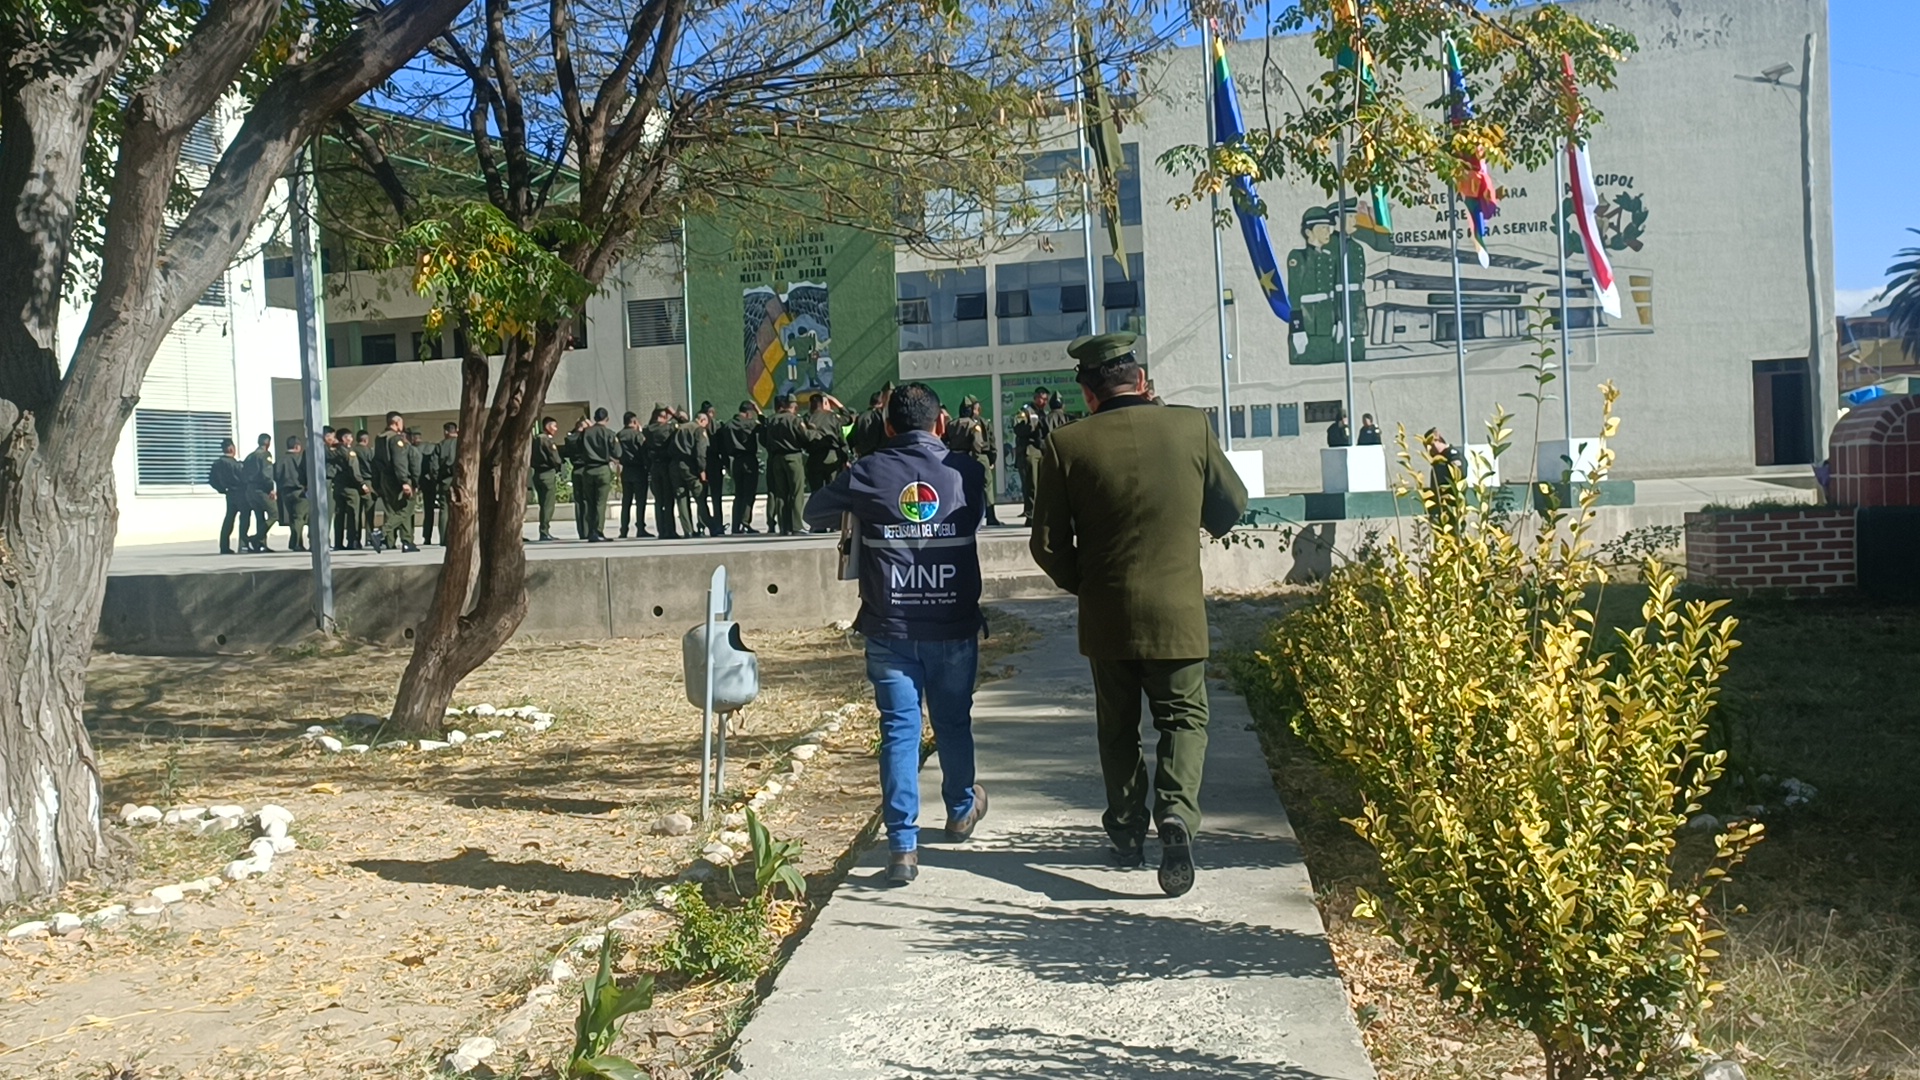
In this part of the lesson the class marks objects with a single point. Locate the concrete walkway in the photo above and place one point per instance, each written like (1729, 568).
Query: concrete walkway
(1025, 954)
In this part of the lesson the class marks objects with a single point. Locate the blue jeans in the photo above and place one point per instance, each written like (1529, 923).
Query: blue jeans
(901, 670)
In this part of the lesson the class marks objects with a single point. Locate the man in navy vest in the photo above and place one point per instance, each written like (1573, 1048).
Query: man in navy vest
(916, 506)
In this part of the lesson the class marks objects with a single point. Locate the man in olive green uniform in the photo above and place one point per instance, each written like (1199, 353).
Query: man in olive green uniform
(370, 505)
(713, 512)
(570, 451)
(1313, 281)
(546, 472)
(634, 477)
(968, 435)
(827, 450)
(1122, 495)
(689, 446)
(396, 476)
(1029, 441)
(352, 488)
(256, 479)
(593, 477)
(870, 429)
(738, 441)
(657, 437)
(786, 438)
(224, 477)
(439, 461)
(290, 491)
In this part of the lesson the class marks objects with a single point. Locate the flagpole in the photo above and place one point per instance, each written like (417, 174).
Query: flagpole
(1219, 267)
(1346, 286)
(1459, 313)
(1094, 312)
(1566, 386)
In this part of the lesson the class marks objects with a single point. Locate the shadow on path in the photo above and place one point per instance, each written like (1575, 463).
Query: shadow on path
(1020, 1053)
(475, 868)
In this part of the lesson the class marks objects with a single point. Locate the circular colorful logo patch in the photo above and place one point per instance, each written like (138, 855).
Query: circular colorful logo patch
(919, 502)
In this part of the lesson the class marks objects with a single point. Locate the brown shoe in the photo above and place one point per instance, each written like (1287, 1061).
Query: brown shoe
(903, 867)
(960, 830)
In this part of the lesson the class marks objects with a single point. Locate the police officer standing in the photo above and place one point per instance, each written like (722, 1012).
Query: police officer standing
(870, 428)
(786, 438)
(352, 480)
(657, 436)
(224, 477)
(290, 490)
(738, 442)
(1029, 435)
(396, 476)
(968, 435)
(370, 504)
(593, 476)
(689, 449)
(437, 468)
(570, 450)
(256, 478)
(633, 477)
(546, 472)
(827, 448)
(1121, 496)
(715, 511)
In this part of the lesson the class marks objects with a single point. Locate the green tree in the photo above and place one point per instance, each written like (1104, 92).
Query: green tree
(1903, 298)
(97, 100)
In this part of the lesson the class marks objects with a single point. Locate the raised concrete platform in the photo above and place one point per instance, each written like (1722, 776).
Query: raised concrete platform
(185, 599)
(1024, 954)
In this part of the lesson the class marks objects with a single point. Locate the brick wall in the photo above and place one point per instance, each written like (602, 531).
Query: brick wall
(1805, 552)
(1875, 454)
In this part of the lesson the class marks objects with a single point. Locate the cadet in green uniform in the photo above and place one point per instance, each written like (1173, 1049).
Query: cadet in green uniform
(224, 477)
(570, 451)
(786, 437)
(827, 449)
(713, 512)
(396, 477)
(633, 477)
(370, 504)
(968, 435)
(657, 436)
(870, 430)
(438, 466)
(689, 448)
(738, 441)
(1029, 435)
(290, 490)
(1313, 281)
(352, 488)
(256, 479)
(546, 472)
(1121, 497)
(593, 477)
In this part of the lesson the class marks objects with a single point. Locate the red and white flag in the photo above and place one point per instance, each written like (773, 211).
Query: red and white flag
(1585, 201)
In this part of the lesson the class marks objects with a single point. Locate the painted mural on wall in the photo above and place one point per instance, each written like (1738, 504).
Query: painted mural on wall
(1397, 296)
(810, 312)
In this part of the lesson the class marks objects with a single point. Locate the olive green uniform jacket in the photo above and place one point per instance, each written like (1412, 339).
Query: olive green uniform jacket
(1121, 498)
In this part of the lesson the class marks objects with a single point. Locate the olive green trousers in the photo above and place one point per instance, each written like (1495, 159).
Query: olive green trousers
(1176, 695)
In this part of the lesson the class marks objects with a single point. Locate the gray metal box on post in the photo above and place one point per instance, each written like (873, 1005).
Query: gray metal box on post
(723, 677)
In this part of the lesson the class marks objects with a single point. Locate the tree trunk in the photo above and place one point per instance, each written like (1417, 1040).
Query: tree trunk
(53, 571)
(486, 559)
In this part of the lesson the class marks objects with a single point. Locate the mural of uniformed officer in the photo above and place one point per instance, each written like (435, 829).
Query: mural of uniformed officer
(1313, 280)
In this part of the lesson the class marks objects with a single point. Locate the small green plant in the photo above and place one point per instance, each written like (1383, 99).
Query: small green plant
(170, 776)
(604, 1005)
(1638, 546)
(775, 862)
(1522, 784)
(730, 942)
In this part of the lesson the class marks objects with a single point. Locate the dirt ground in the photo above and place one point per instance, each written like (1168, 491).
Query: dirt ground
(429, 890)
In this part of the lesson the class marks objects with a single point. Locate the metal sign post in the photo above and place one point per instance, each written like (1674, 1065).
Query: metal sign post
(719, 606)
(314, 412)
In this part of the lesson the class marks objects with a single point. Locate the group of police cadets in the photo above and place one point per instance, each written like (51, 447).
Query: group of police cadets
(382, 486)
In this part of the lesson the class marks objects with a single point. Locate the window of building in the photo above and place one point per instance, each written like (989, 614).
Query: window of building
(942, 309)
(1213, 419)
(1123, 300)
(216, 294)
(660, 321)
(203, 143)
(1263, 421)
(579, 328)
(378, 349)
(429, 346)
(1032, 301)
(331, 362)
(1286, 420)
(1237, 421)
(1129, 185)
(1323, 412)
(1475, 323)
(176, 447)
(279, 266)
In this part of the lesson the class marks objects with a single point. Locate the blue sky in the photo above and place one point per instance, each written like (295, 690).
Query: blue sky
(1876, 157)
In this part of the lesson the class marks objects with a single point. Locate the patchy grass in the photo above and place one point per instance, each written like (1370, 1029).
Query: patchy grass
(1822, 953)
(429, 890)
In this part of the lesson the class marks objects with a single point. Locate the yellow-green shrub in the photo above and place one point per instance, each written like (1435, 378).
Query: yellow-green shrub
(1523, 787)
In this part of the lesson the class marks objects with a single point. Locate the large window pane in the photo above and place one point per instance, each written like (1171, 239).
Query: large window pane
(942, 309)
(176, 447)
(1123, 299)
(1034, 301)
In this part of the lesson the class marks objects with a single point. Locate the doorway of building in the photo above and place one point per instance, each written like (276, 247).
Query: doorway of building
(1782, 412)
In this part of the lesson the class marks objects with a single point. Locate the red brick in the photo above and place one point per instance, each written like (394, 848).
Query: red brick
(1780, 580)
(1823, 579)
(1759, 549)
(1816, 534)
(1803, 545)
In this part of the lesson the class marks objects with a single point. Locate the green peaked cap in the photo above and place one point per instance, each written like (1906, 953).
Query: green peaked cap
(1098, 349)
